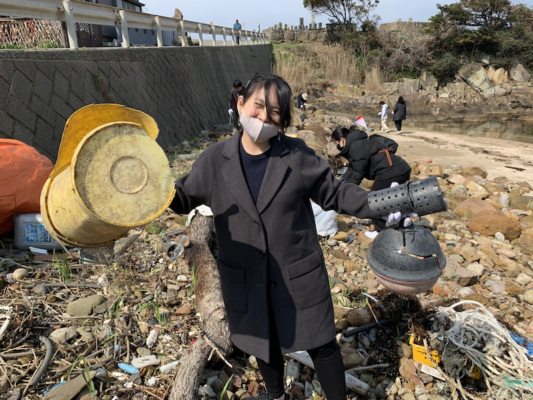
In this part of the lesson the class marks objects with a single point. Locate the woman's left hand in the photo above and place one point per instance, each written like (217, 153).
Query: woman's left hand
(396, 217)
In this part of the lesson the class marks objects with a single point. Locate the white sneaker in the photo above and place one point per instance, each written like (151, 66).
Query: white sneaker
(399, 132)
(371, 235)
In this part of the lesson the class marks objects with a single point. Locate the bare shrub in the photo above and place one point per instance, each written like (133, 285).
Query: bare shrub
(374, 80)
(315, 66)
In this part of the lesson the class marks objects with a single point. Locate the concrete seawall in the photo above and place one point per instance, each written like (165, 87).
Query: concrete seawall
(184, 88)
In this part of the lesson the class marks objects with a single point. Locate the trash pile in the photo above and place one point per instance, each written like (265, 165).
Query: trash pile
(115, 322)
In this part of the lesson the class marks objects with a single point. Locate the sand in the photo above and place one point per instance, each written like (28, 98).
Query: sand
(446, 149)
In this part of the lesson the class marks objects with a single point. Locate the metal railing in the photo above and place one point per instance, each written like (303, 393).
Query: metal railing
(74, 11)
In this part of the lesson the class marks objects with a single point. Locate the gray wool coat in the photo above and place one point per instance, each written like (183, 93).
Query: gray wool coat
(269, 253)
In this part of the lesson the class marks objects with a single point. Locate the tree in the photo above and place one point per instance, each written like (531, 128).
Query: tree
(347, 13)
(476, 24)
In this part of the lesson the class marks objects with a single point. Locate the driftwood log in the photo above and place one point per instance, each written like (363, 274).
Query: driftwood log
(210, 305)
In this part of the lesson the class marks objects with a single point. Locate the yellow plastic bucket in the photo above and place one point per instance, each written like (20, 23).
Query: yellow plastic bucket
(110, 177)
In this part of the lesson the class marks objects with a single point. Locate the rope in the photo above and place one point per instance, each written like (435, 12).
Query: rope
(476, 337)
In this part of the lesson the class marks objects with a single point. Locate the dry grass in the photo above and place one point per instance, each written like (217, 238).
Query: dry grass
(374, 80)
(308, 66)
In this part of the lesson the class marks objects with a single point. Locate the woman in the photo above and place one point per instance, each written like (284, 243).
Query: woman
(371, 160)
(400, 113)
(275, 286)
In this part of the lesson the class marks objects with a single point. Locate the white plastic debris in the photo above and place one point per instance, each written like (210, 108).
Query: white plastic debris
(7, 316)
(152, 339)
(128, 385)
(151, 382)
(120, 376)
(165, 369)
(143, 362)
(206, 390)
(181, 278)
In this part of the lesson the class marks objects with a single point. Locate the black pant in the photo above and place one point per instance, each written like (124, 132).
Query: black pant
(398, 125)
(328, 364)
(380, 224)
(237, 38)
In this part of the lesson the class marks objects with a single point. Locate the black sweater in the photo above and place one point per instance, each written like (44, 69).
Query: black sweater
(365, 161)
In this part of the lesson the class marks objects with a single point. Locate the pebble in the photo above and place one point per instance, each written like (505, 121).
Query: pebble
(523, 279)
(499, 237)
(497, 287)
(20, 274)
(528, 296)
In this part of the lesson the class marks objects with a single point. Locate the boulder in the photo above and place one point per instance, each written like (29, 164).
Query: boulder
(307, 136)
(319, 131)
(524, 203)
(488, 223)
(410, 86)
(476, 190)
(471, 171)
(475, 75)
(435, 170)
(498, 76)
(527, 222)
(525, 242)
(519, 73)
(472, 206)
(456, 179)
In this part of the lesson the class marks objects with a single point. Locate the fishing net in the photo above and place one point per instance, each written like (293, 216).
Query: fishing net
(475, 338)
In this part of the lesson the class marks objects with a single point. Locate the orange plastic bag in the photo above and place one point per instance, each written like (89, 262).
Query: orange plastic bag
(23, 172)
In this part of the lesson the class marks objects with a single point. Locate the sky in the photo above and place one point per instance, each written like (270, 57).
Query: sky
(270, 12)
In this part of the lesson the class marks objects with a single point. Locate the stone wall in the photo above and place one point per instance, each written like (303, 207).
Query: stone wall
(184, 88)
(297, 36)
(408, 28)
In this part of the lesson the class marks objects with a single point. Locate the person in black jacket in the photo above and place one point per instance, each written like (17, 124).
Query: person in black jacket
(400, 113)
(369, 159)
(233, 99)
(302, 99)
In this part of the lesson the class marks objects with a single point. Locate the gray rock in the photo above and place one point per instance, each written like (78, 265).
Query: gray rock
(143, 352)
(519, 73)
(292, 371)
(380, 393)
(476, 76)
(63, 335)
(317, 387)
(84, 307)
(460, 189)
(308, 390)
(497, 287)
(69, 390)
(40, 290)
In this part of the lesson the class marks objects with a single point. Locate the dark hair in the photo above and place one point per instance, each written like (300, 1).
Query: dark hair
(266, 82)
(401, 100)
(381, 103)
(340, 133)
(237, 83)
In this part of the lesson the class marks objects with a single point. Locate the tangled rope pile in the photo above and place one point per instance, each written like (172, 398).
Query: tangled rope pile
(475, 337)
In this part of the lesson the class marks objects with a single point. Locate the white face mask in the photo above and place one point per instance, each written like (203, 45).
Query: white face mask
(258, 130)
